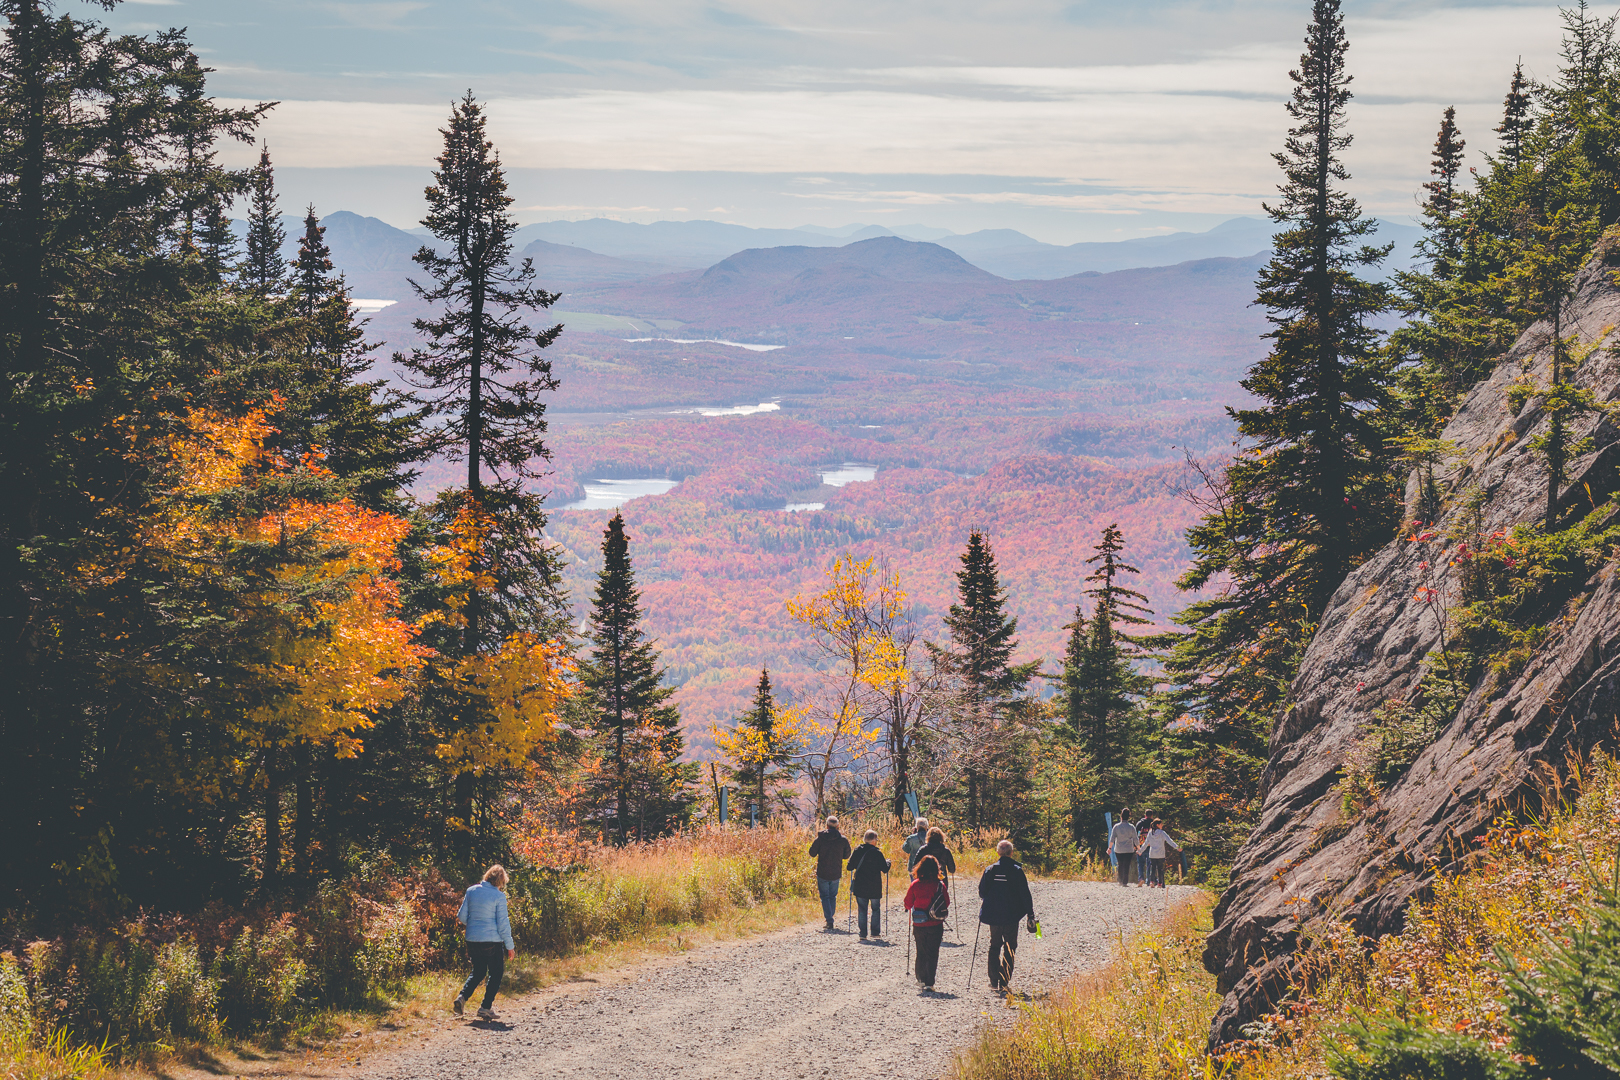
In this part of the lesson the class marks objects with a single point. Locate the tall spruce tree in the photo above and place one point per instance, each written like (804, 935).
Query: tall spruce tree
(1442, 205)
(1516, 122)
(989, 695)
(366, 432)
(627, 698)
(1074, 686)
(484, 367)
(1310, 493)
(1110, 685)
(262, 270)
(765, 761)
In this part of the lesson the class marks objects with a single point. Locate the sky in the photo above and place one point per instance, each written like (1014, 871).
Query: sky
(1090, 120)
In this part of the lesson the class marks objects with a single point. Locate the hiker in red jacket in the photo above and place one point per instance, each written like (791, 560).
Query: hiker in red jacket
(928, 900)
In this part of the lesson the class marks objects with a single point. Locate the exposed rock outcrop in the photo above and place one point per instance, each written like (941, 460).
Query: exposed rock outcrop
(1307, 857)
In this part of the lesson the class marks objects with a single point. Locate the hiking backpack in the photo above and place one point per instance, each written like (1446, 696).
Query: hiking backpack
(940, 906)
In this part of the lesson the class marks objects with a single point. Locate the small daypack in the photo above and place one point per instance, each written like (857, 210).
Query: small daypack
(940, 906)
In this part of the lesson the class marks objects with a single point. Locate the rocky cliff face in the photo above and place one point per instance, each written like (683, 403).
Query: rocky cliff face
(1309, 857)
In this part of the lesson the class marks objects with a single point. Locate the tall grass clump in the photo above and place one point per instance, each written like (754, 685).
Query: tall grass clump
(1510, 970)
(1143, 1017)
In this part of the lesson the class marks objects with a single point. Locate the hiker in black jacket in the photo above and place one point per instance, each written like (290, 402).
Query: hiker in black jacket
(830, 849)
(935, 847)
(1004, 891)
(868, 867)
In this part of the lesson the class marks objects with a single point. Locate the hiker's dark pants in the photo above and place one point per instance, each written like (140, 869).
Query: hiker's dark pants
(488, 958)
(1156, 871)
(928, 939)
(876, 903)
(1003, 950)
(1126, 858)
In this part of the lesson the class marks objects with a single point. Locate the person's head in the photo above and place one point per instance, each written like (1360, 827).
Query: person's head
(1004, 849)
(871, 836)
(936, 835)
(496, 876)
(1124, 813)
(928, 869)
(1158, 823)
(832, 822)
(922, 825)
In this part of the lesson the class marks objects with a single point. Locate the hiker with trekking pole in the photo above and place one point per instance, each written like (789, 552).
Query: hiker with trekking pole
(1005, 900)
(929, 902)
(867, 867)
(830, 849)
(941, 854)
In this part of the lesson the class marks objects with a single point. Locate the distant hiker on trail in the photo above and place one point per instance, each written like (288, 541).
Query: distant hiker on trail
(928, 901)
(1142, 828)
(1004, 891)
(1123, 841)
(915, 841)
(868, 866)
(1155, 843)
(830, 849)
(489, 938)
(935, 847)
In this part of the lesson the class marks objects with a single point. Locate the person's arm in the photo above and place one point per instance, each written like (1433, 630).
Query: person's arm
(855, 860)
(950, 860)
(846, 847)
(815, 845)
(461, 916)
(1171, 842)
(504, 925)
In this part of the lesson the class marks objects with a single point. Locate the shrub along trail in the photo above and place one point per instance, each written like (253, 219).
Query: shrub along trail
(796, 1003)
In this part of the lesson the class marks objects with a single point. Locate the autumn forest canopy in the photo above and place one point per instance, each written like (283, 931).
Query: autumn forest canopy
(243, 660)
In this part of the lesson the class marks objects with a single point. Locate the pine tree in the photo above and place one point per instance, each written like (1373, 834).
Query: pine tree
(989, 687)
(764, 762)
(485, 364)
(262, 270)
(1074, 687)
(1441, 207)
(1516, 120)
(1110, 687)
(1310, 494)
(626, 695)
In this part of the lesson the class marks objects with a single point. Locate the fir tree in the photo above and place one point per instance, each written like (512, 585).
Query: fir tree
(484, 363)
(262, 270)
(989, 687)
(764, 759)
(1441, 206)
(626, 696)
(1110, 686)
(1310, 493)
(1074, 687)
(1516, 120)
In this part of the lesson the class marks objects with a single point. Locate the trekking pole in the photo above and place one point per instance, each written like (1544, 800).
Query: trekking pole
(849, 908)
(975, 961)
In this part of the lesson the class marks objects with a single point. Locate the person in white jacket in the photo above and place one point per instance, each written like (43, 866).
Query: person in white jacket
(1123, 842)
(1154, 845)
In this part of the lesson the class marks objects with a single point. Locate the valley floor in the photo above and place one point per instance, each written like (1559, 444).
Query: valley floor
(798, 1003)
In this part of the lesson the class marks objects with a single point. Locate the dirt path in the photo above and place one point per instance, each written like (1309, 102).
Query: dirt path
(797, 1003)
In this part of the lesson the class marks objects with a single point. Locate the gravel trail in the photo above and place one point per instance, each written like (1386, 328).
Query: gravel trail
(797, 1003)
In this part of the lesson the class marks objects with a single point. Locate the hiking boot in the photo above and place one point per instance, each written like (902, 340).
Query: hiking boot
(486, 1014)
(458, 1006)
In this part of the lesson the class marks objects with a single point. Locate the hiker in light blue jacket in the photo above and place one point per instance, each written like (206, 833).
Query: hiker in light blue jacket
(489, 938)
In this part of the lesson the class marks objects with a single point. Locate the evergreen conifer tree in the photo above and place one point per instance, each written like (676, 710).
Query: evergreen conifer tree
(627, 699)
(1110, 686)
(764, 760)
(1074, 687)
(1516, 120)
(484, 364)
(1442, 205)
(1310, 493)
(262, 270)
(989, 686)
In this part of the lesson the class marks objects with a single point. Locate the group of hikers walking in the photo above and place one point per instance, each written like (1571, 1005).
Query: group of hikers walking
(1143, 848)
(1004, 894)
(1004, 898)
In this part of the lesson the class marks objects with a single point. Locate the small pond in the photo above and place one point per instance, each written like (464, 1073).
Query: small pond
(607, 494)
(847, 473)
(801, 508)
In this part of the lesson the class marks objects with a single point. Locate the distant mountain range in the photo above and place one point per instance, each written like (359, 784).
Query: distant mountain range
(376, 257)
